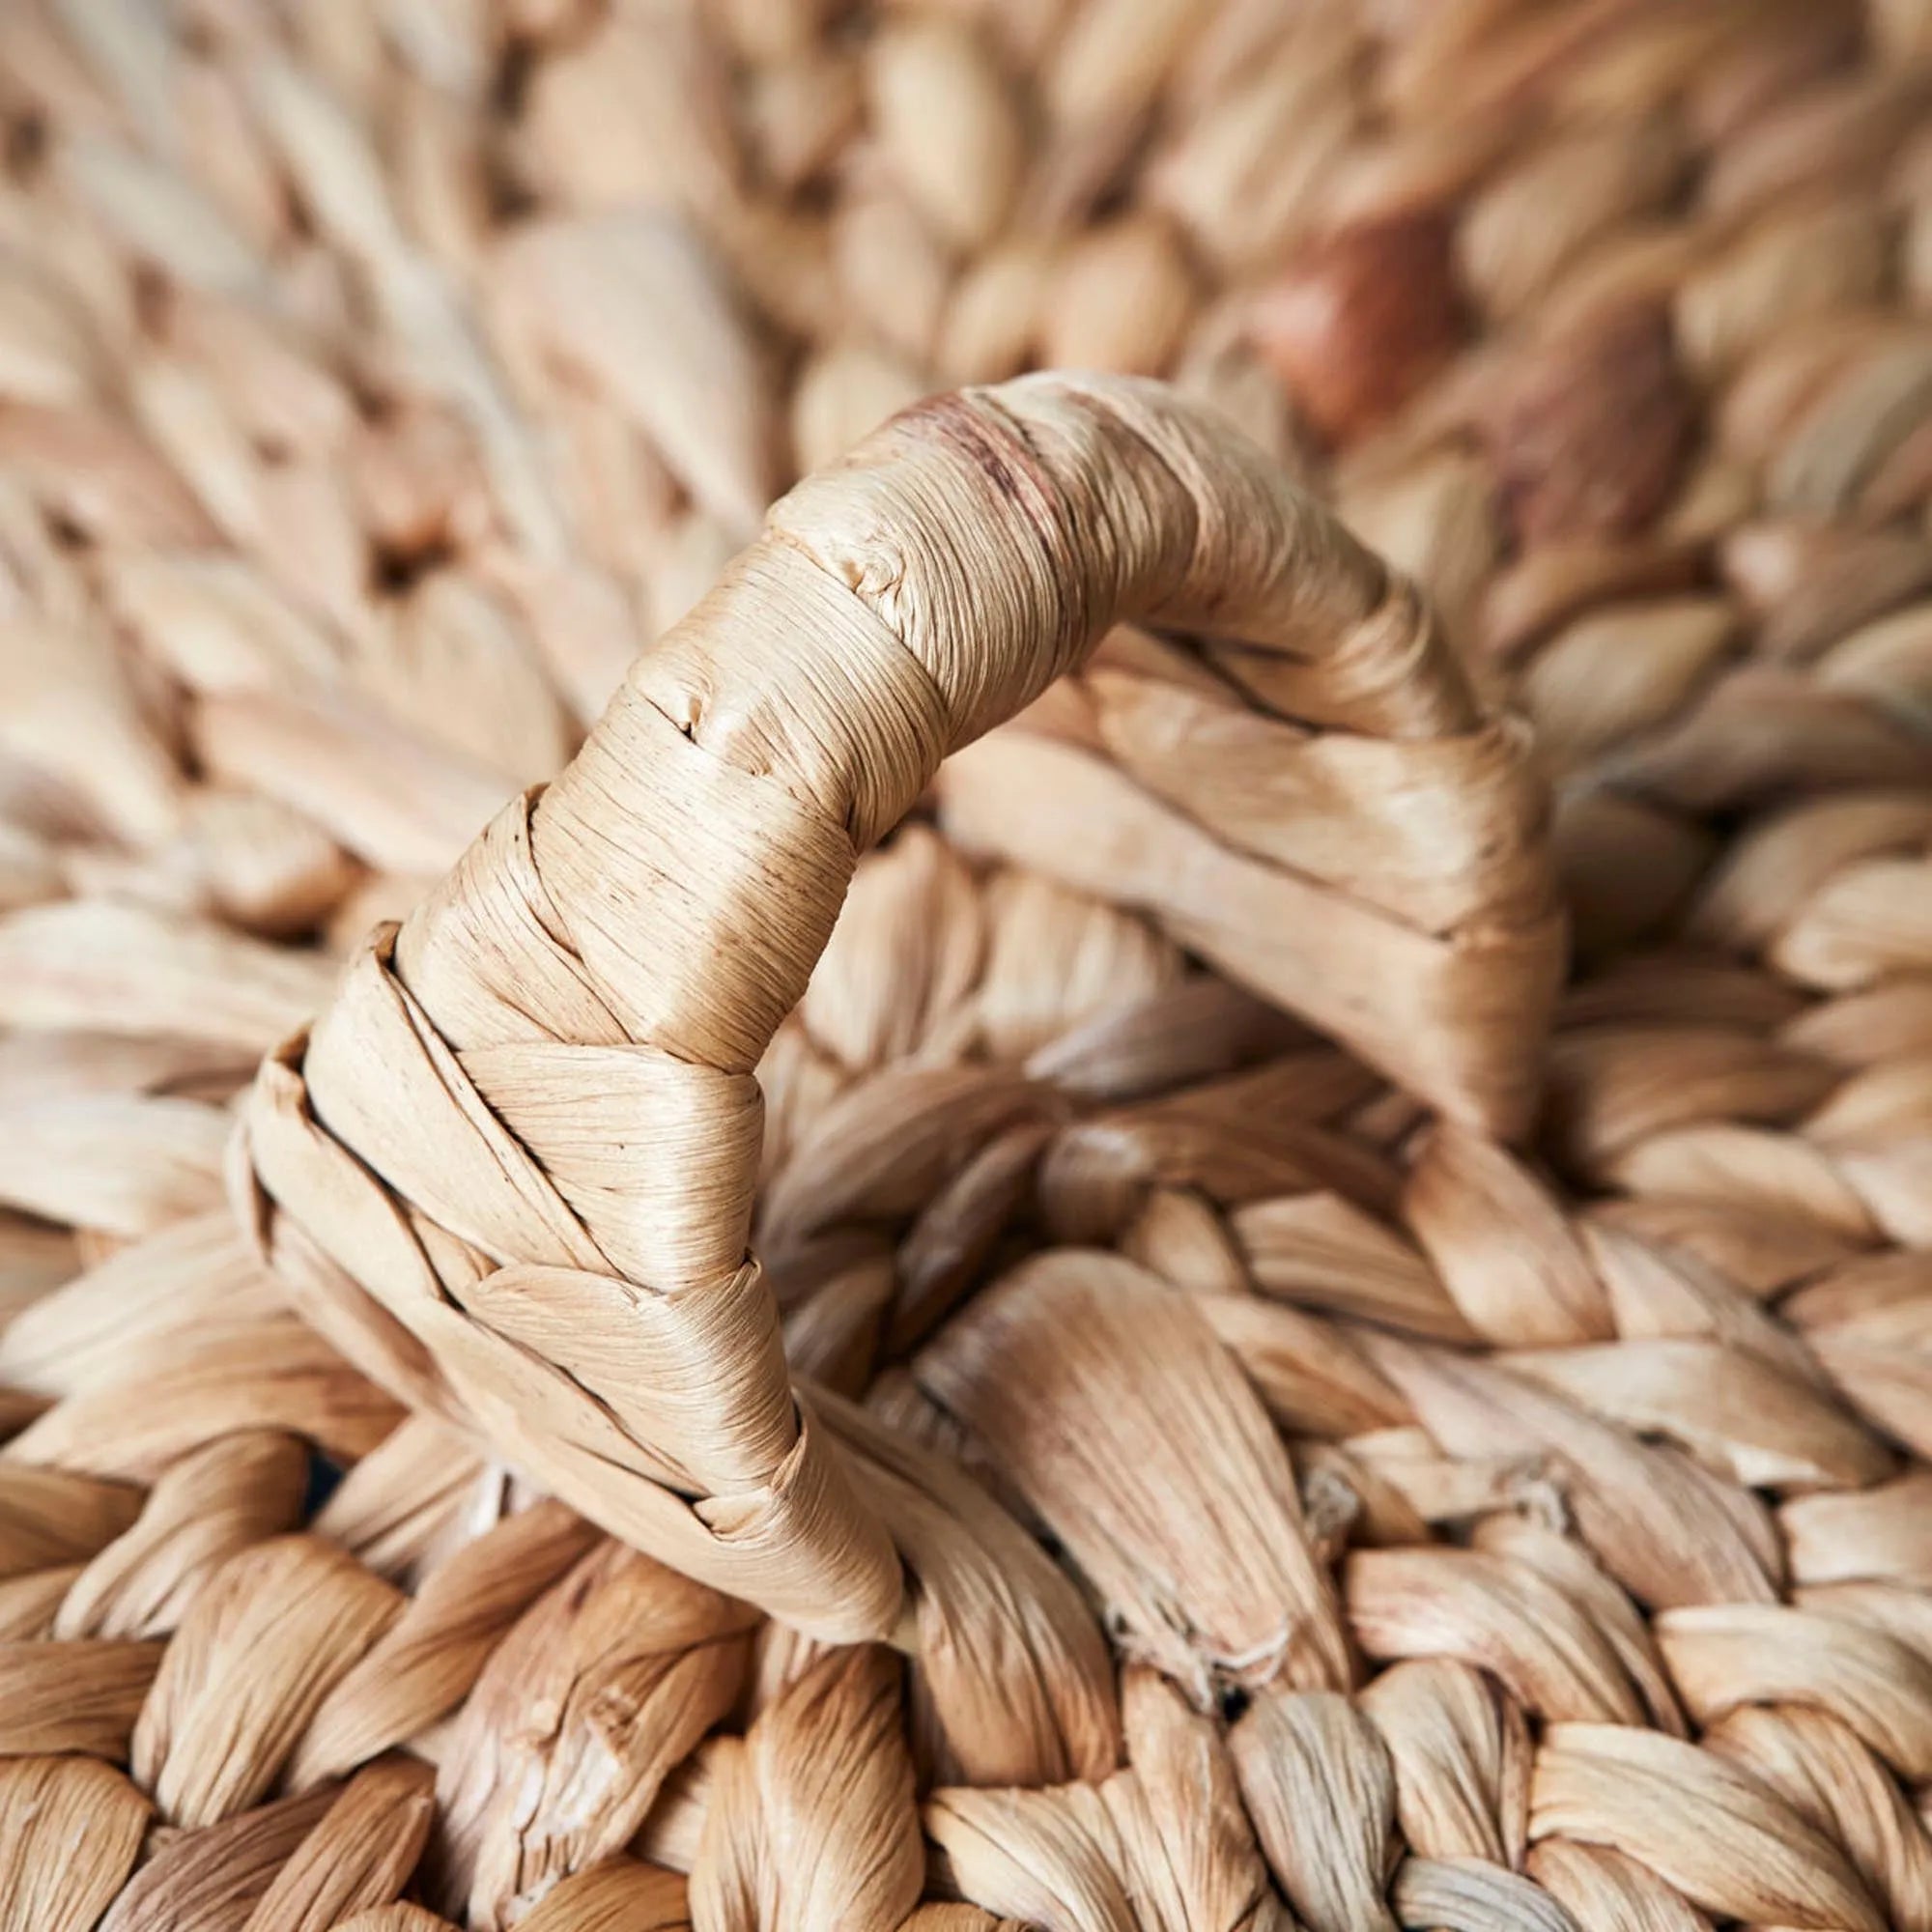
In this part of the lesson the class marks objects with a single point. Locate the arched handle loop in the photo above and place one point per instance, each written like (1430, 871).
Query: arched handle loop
(511, 1169)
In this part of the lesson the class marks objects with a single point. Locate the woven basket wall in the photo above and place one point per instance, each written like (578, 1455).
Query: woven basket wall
(1260, 1402)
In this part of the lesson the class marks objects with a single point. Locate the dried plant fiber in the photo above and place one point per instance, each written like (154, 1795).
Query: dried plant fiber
(972, 1261)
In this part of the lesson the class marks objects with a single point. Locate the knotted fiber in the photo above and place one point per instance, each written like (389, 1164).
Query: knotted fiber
(1297, 1502)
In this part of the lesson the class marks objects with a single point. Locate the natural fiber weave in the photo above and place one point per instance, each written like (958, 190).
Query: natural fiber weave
(515, 1159)
(1282, 1498)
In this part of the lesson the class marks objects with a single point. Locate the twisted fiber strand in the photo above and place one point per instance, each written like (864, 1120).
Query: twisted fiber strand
(1714, 647)
(1645, 1004)
(1670, 490)
(1677, 660)
(1673, 1276)
(1605, 324)
(1790, 1811)
(627, 944)
(1678, 458)
(1794, 1134)
(1501, 1606)
(1785, 1206)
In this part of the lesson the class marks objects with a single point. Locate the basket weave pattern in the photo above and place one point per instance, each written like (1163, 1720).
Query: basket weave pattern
(1086, 1338)
(546, 1074)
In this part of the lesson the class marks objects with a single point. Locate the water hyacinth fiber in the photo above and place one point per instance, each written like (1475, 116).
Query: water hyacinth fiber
(660, 1310)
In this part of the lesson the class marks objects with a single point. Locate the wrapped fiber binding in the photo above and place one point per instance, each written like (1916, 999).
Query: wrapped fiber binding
(1084, 1337)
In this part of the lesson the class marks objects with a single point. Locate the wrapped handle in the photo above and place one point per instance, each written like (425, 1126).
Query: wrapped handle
(511, 1168)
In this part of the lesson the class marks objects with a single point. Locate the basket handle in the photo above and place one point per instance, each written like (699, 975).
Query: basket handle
(511, 1168)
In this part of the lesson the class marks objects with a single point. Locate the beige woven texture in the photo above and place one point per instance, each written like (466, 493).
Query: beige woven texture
(511, 1169)
(1255, 1404)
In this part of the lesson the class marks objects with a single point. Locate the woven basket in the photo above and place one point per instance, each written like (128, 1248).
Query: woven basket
(1253, 1406)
